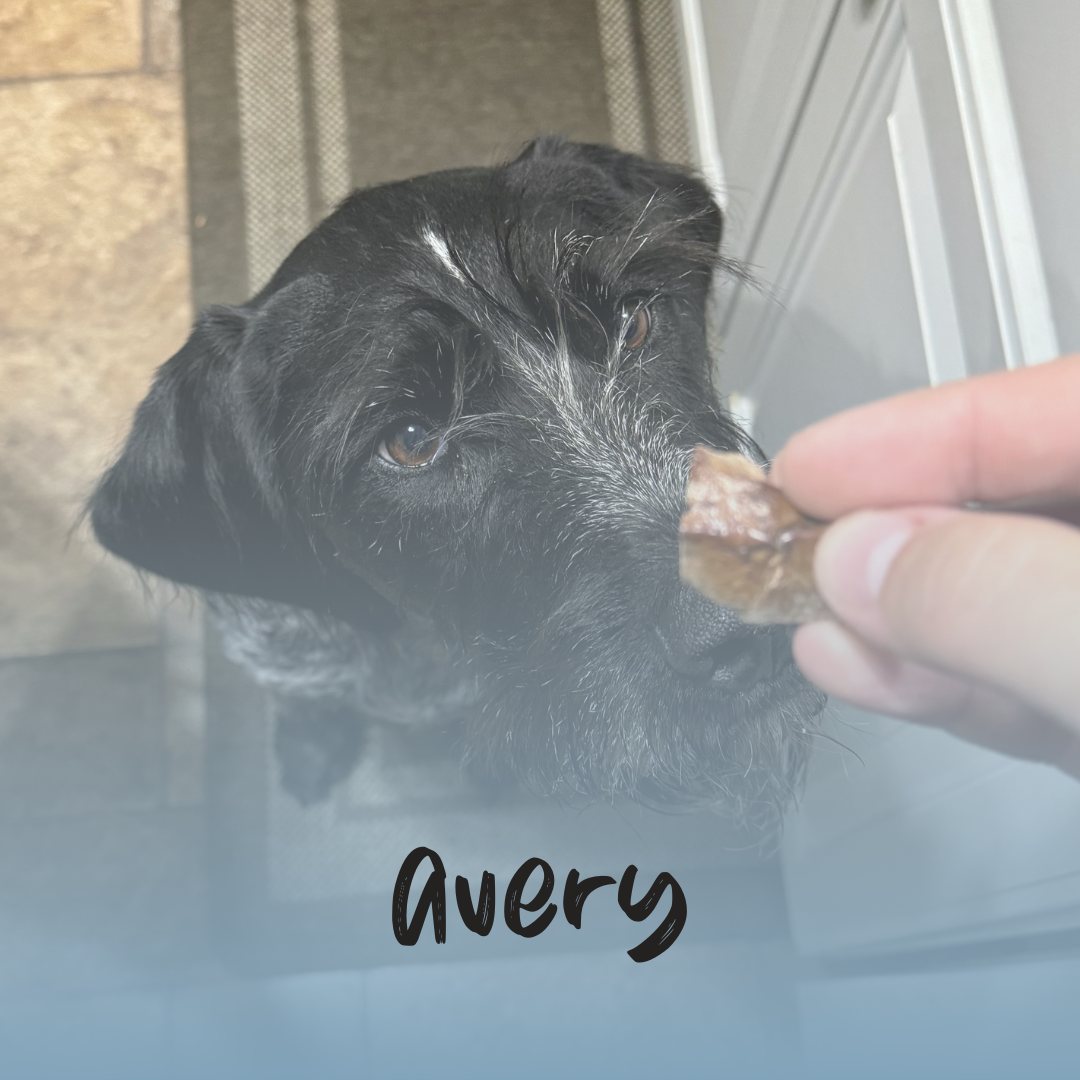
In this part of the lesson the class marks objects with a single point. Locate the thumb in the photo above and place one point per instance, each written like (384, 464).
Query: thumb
(992, 597)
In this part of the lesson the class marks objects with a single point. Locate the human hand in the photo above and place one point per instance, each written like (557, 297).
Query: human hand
(963, 619)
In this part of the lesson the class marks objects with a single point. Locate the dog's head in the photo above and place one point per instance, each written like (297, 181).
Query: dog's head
(470, 398)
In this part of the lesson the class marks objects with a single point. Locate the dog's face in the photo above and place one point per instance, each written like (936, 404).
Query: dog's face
(467, 401)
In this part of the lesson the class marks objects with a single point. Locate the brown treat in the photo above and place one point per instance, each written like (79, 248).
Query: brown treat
(744, 545)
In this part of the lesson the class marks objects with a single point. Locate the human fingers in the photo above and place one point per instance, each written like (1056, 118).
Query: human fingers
(849, 667)
(993, 598)
(997, 437)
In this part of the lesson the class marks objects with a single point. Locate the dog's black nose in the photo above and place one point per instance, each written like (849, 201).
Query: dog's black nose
(703, 641)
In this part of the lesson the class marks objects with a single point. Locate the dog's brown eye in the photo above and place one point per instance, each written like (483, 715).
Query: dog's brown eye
(636, 325)
(411, 445)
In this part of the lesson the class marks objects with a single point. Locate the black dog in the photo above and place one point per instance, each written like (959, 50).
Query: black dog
(442, 454)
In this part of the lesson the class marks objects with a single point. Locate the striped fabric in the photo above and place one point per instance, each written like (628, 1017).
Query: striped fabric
(294, 137)
(288, 69)
(644, 78)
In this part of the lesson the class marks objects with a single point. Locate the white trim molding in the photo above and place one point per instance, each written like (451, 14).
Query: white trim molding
(700, 93)
(924, 233)
(1025, 317)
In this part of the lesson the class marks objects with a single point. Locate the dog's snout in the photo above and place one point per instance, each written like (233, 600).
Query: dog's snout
(703, 641)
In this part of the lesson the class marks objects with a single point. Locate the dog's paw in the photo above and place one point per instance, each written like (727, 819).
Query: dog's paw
(318, 744)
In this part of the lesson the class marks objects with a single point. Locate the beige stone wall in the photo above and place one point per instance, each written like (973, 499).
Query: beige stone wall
(94, 294)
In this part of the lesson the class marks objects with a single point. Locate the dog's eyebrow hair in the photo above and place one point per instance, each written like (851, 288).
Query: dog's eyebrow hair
(439, 245)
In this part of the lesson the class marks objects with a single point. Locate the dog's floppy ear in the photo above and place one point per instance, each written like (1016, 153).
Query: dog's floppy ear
(194, 496)
(641, 178)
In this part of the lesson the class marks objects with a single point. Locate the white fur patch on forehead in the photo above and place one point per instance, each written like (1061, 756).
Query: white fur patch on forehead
(442, 251)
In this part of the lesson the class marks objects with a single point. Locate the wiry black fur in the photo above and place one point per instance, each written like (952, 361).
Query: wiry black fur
(525, 582)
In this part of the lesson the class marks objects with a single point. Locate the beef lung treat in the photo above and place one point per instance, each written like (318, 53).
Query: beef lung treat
(744, 545)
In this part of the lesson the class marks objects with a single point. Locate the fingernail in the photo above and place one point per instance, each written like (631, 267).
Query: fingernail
(853, 561)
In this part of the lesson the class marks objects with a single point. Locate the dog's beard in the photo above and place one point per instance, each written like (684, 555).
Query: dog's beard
(586, 706)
